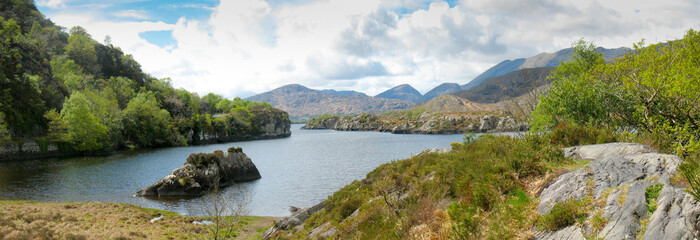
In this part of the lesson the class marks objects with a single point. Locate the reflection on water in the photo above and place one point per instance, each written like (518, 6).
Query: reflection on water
(297, 171)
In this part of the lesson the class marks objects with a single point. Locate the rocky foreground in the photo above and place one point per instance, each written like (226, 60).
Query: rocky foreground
(425, 123)
(201, 172)
(618, 180)
(629, 190)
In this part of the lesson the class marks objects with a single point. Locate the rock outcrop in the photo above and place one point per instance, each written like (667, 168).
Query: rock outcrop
(299, 215)
(616, 180)
(425, 123)
(267, 123)
(203, 171)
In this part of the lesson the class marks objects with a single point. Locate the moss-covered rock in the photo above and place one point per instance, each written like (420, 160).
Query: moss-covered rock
(203, 171)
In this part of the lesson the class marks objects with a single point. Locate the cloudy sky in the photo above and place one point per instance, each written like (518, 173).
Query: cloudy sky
(243, 47)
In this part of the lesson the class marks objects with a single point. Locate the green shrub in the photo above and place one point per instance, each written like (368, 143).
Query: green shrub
(652, 193)
(575, 135)
(465, 223)
(564, 214)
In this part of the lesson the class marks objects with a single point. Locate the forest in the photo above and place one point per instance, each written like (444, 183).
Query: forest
(66, 88)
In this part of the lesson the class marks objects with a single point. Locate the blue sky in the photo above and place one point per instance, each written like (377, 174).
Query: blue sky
(243, 47)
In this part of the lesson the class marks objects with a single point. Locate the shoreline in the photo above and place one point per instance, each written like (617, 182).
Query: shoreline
(30, 149)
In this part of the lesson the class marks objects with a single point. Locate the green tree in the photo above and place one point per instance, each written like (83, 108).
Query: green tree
(21, 101)
(85, 130)
(574, 94)
(124, 89)
(4, 133)
(70, 73)
(147, 125)
(81, 49)
(212, 100)
(57, 127)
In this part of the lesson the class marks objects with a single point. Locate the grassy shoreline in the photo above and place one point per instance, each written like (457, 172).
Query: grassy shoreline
(104, 220)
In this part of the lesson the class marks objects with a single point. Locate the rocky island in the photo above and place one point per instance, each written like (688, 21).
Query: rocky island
(203, 171)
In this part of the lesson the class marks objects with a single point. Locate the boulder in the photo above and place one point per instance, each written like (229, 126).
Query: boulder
(203, 171)
(617, 178)
(299, 215)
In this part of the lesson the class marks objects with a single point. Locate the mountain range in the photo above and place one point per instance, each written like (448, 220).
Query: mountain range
(507, 79)
(303, 103)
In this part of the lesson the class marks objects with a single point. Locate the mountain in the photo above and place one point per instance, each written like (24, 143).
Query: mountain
(449, 103)
(402, 92)
(441, 89)
(342, 93)
(539, 60)
(510, 85)
(301, 102)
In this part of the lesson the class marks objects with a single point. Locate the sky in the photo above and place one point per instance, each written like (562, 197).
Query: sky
(244, 47)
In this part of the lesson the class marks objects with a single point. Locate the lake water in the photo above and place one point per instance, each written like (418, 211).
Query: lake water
(301, 170)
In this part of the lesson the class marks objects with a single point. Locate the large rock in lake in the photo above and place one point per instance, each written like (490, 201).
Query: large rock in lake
(202, 171)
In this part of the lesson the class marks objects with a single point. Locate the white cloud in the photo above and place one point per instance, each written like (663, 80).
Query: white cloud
(51, 3)
(133, 14)
(247, 46)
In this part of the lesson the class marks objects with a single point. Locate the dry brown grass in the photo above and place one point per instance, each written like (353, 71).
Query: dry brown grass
(95, 220)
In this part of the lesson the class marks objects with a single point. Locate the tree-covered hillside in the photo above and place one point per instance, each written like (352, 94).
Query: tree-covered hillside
(64, 87)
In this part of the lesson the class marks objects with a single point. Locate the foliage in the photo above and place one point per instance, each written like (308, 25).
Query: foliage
(105, 100)
(81, 49)
(57, 127)
(147, 125)
(649, 95)
(84, 128)
(4, 133)
(652, 193)
(475, 192)
(576, 135)
(564, 214)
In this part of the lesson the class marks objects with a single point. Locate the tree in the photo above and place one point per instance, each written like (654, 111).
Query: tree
(85, 130)
(574, 93)
(57, 127)
(4, 133)
(147, 125)
(81, 49)
(225, 212)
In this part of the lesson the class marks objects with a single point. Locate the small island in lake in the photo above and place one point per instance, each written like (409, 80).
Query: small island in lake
(203, 171)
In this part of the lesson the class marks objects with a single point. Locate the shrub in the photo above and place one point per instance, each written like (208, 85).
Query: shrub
(575, 135)
(564, 214)
(652, 193)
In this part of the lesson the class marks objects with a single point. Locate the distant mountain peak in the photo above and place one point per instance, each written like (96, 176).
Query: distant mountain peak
(404, 92)
(302, 102)
(445, 88)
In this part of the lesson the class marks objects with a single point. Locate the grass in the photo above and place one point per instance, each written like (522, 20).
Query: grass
(477, 191)
(652, 193)
(96, 220)
(485, 189)
(564, 214)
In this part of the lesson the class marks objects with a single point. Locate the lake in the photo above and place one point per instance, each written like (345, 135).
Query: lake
(301, 171)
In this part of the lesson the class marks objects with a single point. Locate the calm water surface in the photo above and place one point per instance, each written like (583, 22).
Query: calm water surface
(301, 170)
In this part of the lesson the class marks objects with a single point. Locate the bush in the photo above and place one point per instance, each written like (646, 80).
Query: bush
(564, 214)
(576, 135)
(652, 193)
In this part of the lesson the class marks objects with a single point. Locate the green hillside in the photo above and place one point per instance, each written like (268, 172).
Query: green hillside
(66, 88)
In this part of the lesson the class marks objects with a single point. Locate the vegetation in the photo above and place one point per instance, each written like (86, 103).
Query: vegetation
(649, 96)
(93, 220)
(66, 88)
(486, 188)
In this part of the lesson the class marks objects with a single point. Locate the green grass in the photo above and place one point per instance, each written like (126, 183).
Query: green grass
(564, 214)
(652, 193)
